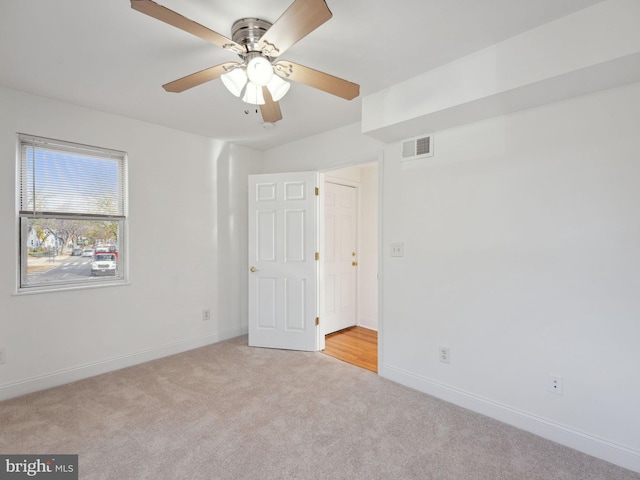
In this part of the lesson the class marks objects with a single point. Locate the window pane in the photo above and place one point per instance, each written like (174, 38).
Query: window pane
(62, 251)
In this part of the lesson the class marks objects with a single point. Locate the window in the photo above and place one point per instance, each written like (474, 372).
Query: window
(72, 214)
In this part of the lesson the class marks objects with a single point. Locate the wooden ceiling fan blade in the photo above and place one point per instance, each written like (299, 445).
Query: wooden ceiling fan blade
(270, 110)
(165, 15)
(300, 19)
(198, 78)
(316, 79)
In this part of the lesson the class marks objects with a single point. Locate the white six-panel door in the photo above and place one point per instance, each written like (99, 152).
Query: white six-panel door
(339, 257)
(283, 283)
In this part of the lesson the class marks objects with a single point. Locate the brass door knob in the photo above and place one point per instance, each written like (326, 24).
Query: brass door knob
(354, 264)
(253, 269)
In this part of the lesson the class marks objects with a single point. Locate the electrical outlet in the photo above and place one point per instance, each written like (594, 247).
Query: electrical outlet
(555, 384)
(3, 356)
(206, 315)
(445, 354)
(397, 249)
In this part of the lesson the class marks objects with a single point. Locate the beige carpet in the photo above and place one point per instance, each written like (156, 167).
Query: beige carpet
(227, 411)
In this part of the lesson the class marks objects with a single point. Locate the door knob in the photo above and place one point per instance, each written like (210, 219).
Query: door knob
(354, 264)
(253, 269)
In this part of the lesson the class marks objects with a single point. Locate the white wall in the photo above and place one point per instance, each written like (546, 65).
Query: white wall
(521, 255)
(231, 223)
(186, 197)
(335, 149)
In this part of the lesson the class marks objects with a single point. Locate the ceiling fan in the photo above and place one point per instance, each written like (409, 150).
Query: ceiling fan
(258, 79)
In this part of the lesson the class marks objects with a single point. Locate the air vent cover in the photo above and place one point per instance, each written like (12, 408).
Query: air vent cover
(417, 147)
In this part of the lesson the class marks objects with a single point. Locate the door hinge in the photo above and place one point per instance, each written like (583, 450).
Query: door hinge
(317, 321)
(317, 255)
(317, 191)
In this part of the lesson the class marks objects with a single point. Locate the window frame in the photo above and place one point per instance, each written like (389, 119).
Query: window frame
(24, 216)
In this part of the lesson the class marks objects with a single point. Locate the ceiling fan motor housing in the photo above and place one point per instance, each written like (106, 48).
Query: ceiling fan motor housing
(248, 32)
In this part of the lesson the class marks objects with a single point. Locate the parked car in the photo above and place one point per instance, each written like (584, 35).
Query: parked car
(76, 252)
(104, 264)
(88, 252)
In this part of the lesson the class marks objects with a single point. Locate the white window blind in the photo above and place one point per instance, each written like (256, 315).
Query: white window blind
(63, 178)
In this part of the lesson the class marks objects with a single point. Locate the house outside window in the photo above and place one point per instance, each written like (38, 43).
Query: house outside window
(72, 215)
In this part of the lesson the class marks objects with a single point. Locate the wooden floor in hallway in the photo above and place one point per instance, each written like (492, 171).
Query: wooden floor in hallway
(356, 345)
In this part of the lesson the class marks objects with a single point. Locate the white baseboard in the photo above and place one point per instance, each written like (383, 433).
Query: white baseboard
(570, 437)
(61, 377)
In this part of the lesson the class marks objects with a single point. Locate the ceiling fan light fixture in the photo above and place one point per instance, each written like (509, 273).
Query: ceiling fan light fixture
(278, 88)
(253, 94)
(235, 80)
(259, 70)
(258, 43)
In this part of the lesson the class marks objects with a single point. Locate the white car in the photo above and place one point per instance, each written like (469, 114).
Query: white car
(104, 264)
(88, 252)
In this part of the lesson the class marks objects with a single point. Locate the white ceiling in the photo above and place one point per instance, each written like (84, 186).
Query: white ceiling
(104, 55)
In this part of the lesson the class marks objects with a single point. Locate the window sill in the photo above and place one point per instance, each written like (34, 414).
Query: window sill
(66, 288)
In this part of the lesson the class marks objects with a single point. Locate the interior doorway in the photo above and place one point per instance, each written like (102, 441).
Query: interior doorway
(349, 263)
(286, 251)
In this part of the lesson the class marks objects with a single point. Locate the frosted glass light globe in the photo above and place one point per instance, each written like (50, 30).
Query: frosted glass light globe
(253, 94)
(235, 81)
(278, 88)
(260, 71)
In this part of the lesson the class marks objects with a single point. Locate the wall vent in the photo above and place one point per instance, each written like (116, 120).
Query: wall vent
(417, 147)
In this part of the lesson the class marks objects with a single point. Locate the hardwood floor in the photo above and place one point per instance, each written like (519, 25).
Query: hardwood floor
(356, 345)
